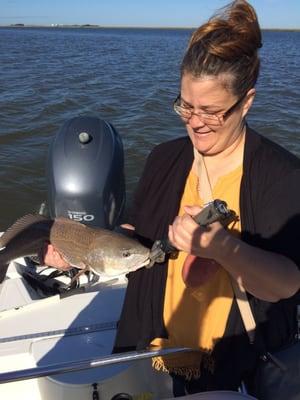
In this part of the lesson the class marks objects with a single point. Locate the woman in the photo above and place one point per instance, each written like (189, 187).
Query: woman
(189, 301)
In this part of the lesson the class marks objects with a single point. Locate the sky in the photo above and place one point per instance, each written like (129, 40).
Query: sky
(149, 13)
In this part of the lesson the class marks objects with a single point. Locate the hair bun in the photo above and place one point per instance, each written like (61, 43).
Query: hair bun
(227, 45)
(231, 33)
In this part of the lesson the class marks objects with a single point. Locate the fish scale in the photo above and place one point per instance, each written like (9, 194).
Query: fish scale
(72, 239)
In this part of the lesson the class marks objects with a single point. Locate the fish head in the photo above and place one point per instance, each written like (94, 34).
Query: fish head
(117, 255)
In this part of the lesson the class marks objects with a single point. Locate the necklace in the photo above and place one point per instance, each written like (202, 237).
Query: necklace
(204, 187)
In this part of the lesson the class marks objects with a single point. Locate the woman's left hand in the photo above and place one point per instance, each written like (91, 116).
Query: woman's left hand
(185, 234)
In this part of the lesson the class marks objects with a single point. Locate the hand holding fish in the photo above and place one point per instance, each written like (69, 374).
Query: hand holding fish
(51, 257)
(185, 234)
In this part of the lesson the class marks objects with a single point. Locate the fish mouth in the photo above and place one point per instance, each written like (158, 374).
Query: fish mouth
(144, 263)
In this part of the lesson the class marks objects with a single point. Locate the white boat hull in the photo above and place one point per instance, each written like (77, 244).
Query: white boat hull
(44, 331)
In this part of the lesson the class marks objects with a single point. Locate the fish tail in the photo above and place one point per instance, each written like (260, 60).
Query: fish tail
(22, 225)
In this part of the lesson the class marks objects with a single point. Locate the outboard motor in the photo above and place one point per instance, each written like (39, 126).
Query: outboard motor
(85, 173)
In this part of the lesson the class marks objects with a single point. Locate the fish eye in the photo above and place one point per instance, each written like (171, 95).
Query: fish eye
(126, 253)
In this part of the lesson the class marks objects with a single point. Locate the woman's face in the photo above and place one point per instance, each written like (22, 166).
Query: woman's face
(209, 95)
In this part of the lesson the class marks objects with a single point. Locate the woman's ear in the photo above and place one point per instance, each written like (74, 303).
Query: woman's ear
(248, 101)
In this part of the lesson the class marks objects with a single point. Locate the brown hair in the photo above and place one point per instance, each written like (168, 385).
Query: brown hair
(227, 45)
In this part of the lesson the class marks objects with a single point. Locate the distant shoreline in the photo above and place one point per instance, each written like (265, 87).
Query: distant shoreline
(90, 26)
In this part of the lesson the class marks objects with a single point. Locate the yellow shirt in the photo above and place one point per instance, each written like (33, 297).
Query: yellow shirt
(196, 316)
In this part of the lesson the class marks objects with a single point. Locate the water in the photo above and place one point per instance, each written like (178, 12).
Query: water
(128, 77)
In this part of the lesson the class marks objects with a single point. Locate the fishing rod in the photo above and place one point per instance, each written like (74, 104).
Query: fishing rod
(73, 366)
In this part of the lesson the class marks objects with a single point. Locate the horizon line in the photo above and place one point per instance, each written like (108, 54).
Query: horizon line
(97, 26)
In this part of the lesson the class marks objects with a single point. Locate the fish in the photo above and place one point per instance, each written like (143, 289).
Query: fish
(104, 252)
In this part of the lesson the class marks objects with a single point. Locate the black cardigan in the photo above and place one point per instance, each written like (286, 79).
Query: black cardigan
(270, 219)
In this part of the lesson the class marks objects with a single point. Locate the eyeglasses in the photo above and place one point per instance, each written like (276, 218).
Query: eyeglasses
(214, 119)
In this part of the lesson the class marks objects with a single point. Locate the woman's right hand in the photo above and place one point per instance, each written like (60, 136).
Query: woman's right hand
(51, 257)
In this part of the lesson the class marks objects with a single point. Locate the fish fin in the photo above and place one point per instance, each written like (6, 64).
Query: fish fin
(76, 277)
(68, 258)
(19, 226)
